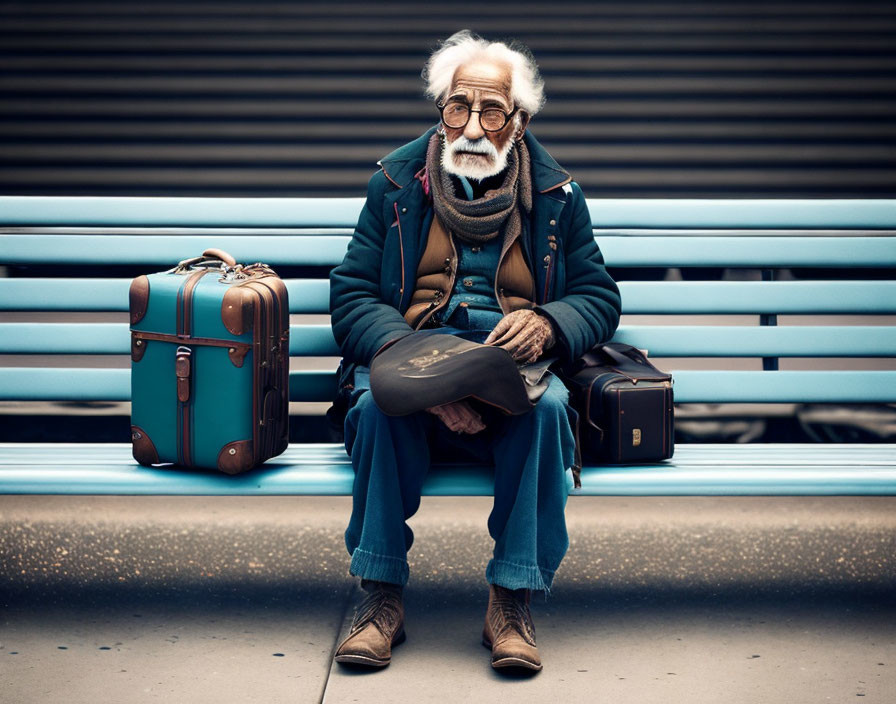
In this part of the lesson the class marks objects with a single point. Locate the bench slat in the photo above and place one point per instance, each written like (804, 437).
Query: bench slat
(48, 384)
(754, 297)
(660, 340)
(179, 212)
(756, 341)
(709, 455)
(750, 252)
(638, 297)
(328, 250)
(325, 469)
(306, 296)
(343, 212)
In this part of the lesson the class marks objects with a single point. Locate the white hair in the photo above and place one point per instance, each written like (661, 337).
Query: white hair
(527, 86)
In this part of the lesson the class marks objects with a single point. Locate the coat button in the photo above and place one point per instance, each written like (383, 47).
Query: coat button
(468, 283)
(476, 249)
(553, 222)
(404, 210)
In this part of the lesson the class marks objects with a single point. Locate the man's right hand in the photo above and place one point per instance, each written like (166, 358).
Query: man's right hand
(459, 416)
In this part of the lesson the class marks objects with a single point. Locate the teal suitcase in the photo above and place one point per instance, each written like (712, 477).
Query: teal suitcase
(209, 365)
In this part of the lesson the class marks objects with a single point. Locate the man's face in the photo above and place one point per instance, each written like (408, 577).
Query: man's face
(470, 151)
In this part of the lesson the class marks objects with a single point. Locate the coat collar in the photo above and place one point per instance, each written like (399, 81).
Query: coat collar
(402, 165)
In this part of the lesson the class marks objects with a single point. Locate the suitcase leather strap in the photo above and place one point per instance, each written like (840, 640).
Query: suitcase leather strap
(237, 351)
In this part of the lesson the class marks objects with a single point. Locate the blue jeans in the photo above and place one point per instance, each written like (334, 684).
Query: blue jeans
(531, 454)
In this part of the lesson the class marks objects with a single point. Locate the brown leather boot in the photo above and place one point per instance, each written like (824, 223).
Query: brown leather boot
(509, 630)
(378, 625)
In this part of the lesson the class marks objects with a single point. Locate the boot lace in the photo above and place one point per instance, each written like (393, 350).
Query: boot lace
(510, 613)
(380, 607)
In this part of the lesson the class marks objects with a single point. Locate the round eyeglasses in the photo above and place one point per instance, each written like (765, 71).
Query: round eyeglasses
(456, 114)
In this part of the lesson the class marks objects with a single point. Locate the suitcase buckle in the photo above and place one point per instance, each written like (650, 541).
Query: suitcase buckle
(182, 370)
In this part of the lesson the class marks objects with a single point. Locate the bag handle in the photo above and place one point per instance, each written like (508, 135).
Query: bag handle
(625, 354)
(626, 359)
(213, 253)
(595, 357)
(209, 256)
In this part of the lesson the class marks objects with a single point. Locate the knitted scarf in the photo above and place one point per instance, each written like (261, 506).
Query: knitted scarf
(480, 220)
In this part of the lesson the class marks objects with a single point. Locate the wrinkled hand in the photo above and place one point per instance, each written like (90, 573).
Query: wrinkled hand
(524, 333)
(459, 416)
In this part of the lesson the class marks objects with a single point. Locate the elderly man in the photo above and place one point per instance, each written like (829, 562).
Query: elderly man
(471, 228)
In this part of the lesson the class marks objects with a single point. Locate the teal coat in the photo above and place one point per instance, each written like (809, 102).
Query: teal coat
(372, 288)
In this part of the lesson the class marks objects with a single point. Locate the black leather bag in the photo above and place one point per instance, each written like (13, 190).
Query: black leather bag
(625, 406)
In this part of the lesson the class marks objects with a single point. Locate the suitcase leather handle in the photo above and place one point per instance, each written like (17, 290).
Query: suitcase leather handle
(208, 256)
(624, 355)
(219, 254)
(592, 358)
(628, 361)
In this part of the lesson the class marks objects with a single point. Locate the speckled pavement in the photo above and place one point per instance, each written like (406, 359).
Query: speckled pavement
(234, 599)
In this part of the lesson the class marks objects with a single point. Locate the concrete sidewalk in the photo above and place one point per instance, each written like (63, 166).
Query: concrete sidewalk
(195, 599)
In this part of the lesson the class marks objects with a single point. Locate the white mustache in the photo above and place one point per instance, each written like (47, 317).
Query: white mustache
(479, 146)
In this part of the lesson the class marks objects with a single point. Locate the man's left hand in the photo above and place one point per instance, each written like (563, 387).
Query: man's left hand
(524, 333)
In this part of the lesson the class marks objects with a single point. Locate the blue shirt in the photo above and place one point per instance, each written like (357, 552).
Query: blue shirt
(472, 305)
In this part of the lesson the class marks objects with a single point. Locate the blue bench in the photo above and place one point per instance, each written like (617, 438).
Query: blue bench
(762, 236)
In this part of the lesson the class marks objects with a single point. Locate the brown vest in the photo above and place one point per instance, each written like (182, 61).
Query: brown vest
(438, 269)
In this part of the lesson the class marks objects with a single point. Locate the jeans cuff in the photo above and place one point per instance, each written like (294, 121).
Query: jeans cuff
(382, 568)
(512, 575)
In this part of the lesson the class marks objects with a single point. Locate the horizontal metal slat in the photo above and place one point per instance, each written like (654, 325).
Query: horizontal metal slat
(321, 250)
(782, 252)
(405, 8)
(327, 250)
(556, 131)
(607, 107)
(350, 86)
(78, 154)
(510, 24)
(325, 469)
(766, 341)
(638, 297)
(661, 340)
(410, 64)
(343, 212)
(411, 41)
(753, 297)
(742, 213)
(223, 181)
(41, 384)
(200, 212)
(305, 295)
(699, 457)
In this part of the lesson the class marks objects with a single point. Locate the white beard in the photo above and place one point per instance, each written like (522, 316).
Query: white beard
(474, 167)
